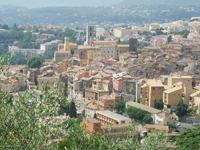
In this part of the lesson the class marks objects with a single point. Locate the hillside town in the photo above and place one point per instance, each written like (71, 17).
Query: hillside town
(100, 74)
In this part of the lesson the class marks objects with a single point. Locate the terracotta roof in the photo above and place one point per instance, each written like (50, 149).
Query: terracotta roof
(156, 127)
(93, 106)
(107, 97)
(62, 52)
(104, 41)
(92, 120)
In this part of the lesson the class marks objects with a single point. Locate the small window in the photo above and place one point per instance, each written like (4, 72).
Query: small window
(97, 130)
(97, 125)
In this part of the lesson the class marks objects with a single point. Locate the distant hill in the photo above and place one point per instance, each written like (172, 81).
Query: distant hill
(46, 3)
(159, 2)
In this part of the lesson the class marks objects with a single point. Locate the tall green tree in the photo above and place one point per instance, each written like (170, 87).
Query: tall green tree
(159, 104)
(169, 39)
(72, 110)
(34, 62)
(72, 50)
(120, 106)
(181, 109)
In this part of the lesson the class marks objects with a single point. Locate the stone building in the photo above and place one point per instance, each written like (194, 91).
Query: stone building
(61, 55)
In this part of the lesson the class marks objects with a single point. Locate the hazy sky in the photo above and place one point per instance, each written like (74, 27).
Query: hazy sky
(45, 3)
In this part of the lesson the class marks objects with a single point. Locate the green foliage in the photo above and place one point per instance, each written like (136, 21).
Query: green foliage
(139, 114)
(189, 139)
(95, 115)
(138, 100)
(171, 125)
(159, 104)
(34, 62)
(46, 88)
(101, 38)
(147, 118)
(183, 33)
(169, 39)
(146, 33)
(141, 45)
(120, 106)
(72, 50)
(159, 31)
(35, 29)
(181, 109)
(19, 59)
(73, 123)
(72, 110)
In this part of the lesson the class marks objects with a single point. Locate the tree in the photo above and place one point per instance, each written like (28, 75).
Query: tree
(35, 29)
(159, 104)
(24, 125)
(119, 41)
(120, 106)
(72, 50)
(169, 39)
(181, 109)
(34, 62)
(72, 110)
(189, 139)
(147, 118)
(95, 115)
(101, 38)
(138, 100)
(45, 88)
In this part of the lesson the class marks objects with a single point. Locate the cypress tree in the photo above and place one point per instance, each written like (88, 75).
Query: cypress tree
(72, 110)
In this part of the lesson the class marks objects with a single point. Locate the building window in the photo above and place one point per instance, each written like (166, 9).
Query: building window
(97, 130)
(123, 122)
(108, 51)
(97, 125)
(104, 51)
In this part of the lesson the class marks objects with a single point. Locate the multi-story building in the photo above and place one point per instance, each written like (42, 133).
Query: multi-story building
(152, 26)
(109, 50)
(123, 48)
(177, 92)
(48, 47)
(90, 110)
(104, 43)
(63, 66)
(91, 124)
(151, 91)
(175, 79)
(99, 88)
(107, 117)
(100, 32)
(27, 52)
(115, 130)
(106, 102)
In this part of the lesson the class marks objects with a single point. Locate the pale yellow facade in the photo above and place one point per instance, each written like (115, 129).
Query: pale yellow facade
(93, 54)
(184, 79)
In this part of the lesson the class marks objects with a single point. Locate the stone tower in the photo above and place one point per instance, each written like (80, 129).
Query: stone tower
(90, 35)
(133, 45)
(66, 47)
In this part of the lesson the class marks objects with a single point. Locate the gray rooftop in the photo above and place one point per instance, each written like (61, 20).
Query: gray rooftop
(113, 115)
(144, 107)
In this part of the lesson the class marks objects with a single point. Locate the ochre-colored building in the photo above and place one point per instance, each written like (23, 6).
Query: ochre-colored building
(63, 66)
(151, 91)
